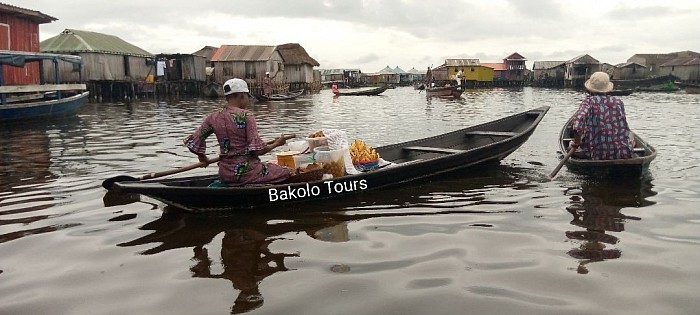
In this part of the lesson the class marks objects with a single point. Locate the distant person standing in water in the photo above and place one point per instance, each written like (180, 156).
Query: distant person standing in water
(600, 123)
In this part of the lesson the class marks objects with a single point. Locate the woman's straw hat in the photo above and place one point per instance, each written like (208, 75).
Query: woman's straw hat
(599, 82)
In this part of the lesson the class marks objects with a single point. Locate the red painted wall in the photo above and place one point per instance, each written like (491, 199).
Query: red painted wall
(24, 36)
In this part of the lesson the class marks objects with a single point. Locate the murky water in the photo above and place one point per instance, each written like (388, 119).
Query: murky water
(495, 240)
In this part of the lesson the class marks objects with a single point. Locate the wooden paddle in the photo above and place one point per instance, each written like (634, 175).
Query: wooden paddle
(109, 183)
(566, 157)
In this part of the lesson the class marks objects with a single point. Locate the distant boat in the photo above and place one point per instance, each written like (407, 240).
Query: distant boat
(641, 83)
(279, 97)
(449, 91)
(43, 100)
(374, 91)
(689, 87)
(623, 92)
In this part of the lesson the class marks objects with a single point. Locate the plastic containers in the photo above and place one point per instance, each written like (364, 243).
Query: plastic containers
(287, 158)
(333, 160)
(302, 160)
(316, 142)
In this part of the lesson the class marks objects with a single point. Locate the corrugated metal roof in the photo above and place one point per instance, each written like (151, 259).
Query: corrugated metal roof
(337, 71)
(683, 61)
(543, 65)
(584, 59)
(35, 16)
(461, 62)
(627, 64)
(495, 66)
(515, 56)
(206, 51)
(71, 41)
(243, 53)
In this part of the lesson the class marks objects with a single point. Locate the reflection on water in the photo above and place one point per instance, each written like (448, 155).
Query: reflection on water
(596, 207)
(235, 248)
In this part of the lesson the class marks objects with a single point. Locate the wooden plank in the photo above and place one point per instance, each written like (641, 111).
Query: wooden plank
(492, 133)
(40, 88)
(434, 150)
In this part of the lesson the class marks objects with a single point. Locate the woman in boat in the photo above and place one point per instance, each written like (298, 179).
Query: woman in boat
(240, 145)
(267, 84)
(600, 124)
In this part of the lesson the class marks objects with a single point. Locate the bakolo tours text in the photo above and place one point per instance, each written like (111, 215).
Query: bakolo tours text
(328, 187)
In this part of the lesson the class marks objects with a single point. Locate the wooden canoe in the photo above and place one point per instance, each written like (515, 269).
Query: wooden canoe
(279, 97)
(449, 91)
(621, 92)
(633, 167)
(365, 92)
(413, 160)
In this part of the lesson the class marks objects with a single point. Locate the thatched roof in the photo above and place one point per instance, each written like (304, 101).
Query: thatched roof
(294, 54)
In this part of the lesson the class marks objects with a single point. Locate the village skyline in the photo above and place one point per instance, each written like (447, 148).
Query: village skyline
(370, 35)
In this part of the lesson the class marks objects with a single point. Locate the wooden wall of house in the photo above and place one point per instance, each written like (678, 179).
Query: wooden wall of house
(224, 70)
(68, 72)
(629, 73)
(23, 36)
(102, 67)
(139, 68)
(185, 67)
(303, 73)
(684, 73)
(195, 69)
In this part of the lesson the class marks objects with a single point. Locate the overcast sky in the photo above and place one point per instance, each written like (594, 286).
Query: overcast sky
(371, 34)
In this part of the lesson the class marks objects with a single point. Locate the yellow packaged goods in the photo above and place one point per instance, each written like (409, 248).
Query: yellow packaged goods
(287, 158)
(317, 134)
(332, 160)
(362, 153)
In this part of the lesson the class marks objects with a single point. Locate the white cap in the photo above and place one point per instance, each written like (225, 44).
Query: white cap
(235, 85)
(267, 72)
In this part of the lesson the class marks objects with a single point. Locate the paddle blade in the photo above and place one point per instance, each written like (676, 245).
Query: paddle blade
(109, 182)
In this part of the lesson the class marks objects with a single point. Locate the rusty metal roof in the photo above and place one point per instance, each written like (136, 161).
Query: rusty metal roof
(71, 41)
(542, 65)
(35, 16)
(243, 53)
(495, 66)
(461, 62)
(683, 61)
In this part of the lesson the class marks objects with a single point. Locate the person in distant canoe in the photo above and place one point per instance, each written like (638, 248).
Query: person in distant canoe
(600, 124)
(428, 78)
(267, 83)
(240, 145)
(334, 89)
